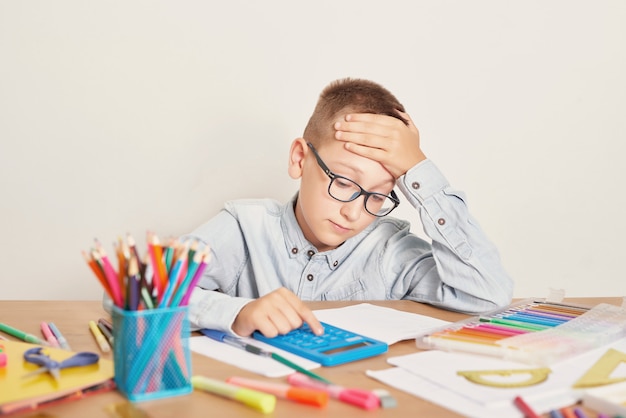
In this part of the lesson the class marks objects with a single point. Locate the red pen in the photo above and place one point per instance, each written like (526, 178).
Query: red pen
(362, 398)
(303, 395)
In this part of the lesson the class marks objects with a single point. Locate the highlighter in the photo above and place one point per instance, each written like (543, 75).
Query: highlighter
(24, 336)
(358, 397)
(313, 397)
(50, 337)
(99, 336)
(263, 402)
(3, 356)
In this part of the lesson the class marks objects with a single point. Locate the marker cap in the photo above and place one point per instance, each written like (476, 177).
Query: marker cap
(308, 396)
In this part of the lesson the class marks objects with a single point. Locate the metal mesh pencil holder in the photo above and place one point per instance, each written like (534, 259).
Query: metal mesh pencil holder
(151, 353)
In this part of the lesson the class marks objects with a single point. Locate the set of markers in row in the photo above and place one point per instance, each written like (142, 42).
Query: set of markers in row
(484, 334)
(164, 277)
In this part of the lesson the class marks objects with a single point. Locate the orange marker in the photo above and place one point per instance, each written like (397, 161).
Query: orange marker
(302, 395)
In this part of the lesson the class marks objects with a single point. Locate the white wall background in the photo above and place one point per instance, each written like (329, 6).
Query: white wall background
(128, 116)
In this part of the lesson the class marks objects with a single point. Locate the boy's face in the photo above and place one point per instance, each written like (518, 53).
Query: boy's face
(325, 221)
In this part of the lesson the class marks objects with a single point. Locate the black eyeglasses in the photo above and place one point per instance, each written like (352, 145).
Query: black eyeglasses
(345, 190)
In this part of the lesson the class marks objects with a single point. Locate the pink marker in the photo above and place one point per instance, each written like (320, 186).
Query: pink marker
(307, 396)
(47, 332)
(362, 398)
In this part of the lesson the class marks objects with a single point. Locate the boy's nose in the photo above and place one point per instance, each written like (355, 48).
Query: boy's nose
(352, 210)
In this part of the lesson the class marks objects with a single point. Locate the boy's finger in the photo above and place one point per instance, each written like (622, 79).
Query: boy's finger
(313, 323)
(303, 312)
(373, 118)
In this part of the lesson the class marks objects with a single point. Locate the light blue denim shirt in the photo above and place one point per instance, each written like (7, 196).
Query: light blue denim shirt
(257, 246)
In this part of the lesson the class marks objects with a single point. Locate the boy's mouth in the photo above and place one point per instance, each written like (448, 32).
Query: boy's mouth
(339, 228)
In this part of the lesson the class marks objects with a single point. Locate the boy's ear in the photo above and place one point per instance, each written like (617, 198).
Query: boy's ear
(296, 158)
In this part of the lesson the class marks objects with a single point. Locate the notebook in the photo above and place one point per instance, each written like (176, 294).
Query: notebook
(19, 393)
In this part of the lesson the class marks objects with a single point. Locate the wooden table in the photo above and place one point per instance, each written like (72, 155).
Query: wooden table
(72, 318)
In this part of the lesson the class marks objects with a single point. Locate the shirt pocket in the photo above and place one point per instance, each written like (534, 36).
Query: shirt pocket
(354, 290)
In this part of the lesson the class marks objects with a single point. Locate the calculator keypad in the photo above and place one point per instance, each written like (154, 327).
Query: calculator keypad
(304, 337)
(335, 346)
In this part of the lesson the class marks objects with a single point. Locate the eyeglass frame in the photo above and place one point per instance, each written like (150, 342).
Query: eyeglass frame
(393, 196)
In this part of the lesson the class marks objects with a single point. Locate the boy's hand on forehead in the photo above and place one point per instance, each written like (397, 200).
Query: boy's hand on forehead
(382, 138)
(276, 313)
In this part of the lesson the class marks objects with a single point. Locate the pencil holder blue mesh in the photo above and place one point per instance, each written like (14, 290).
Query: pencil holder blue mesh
(151, 353)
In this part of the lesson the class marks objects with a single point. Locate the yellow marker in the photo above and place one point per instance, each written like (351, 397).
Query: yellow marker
(100, 339)
(260, 401)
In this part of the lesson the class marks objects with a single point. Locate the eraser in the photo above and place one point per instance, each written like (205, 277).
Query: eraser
(385, 398)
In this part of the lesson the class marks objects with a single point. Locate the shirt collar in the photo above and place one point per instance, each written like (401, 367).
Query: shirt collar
(296, 243)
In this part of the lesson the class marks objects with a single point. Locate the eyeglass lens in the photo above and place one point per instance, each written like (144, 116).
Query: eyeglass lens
(346, 190)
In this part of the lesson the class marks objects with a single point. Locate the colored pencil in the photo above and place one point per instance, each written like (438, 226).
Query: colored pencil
(525, 408)
(131, 288)
(197, 276)
(173, 280)
(158, 266)
(110, 275)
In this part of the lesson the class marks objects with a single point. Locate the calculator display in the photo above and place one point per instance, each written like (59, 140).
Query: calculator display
(345, 348)
(335, 346)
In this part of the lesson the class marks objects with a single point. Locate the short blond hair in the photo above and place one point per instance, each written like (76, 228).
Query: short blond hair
(349, 95)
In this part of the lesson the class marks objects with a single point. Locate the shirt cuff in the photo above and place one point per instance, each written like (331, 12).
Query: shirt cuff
(421, 182)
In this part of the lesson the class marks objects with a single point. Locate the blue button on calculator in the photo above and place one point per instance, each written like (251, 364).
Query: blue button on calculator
(335, 346)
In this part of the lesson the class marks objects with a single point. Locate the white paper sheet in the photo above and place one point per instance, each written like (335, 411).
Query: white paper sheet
(257, 364)
(377, 322)
(384, 324)
(432, 375)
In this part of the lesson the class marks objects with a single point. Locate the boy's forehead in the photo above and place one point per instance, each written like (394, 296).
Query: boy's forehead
(340, 159)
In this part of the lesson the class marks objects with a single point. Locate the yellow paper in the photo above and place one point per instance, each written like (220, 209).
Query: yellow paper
(14, 386)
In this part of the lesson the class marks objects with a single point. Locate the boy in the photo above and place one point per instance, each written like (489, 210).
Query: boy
(334, 240)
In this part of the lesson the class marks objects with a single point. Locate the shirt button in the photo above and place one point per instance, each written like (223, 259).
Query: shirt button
(294, 251)
(441, 221)
(415, 185)
(335, 263)
(309, 277)
(310, 253)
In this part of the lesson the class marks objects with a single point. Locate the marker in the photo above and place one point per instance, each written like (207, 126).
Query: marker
(106, 323)
(303, 395)
(260, 401)
(525, 408)
(236, 342)
(579, 413)
(24, 336)
(567, 413)
(106, 332)
(358, 397)
(60, 338)
(555, 413)
(3, 356)
(515, 324)
(100, 339)
(47, 332)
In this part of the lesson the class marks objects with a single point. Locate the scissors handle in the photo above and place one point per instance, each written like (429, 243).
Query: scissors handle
(80, 359)
(35, 356)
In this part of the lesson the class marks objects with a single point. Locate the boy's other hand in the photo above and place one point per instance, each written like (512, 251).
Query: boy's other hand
(276, 313)
(382, 138)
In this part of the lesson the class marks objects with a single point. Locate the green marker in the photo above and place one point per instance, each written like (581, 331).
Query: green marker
(29, 338)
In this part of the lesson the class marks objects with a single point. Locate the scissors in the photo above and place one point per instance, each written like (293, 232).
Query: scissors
(34, 355)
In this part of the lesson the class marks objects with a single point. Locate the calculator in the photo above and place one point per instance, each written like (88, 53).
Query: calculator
(336, 346)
